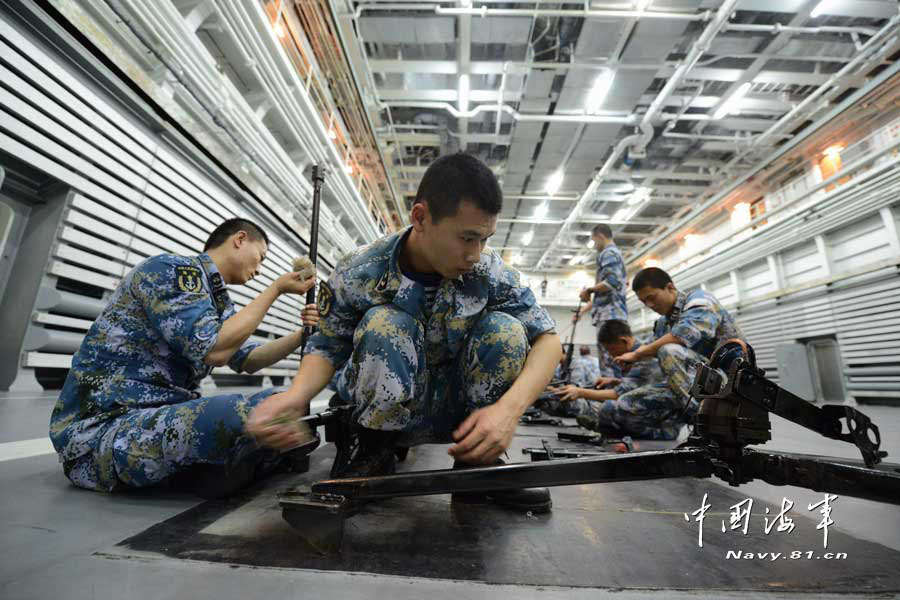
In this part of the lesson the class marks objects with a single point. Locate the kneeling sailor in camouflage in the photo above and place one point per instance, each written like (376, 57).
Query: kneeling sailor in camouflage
(433, 340)
(691, 326)
(610, 405)
(129, 414)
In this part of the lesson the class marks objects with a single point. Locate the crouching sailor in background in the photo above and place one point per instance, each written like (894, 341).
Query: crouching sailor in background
(691, 326)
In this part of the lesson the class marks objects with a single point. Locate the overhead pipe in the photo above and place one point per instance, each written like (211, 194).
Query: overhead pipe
(871, 44)
(698, 48)
(776, 29)
(356, 81)
(356, 210)
(585, 13)
(213, 104)
(231, 117)
(623, 118)
(641, 140)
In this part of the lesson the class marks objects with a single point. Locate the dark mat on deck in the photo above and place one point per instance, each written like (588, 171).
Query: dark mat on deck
(618, 535)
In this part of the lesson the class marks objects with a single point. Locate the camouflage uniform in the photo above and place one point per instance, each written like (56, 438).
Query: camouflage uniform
(609, 306)
(642, 373)
(585, 371)
(657, 410)
(418, 372)
(129, 413)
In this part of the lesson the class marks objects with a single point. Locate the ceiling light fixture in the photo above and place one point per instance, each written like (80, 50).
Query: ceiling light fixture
(541, 211)
(651, 262)
(555, 181)
(527, 237)
(590, 243)
(640, 195)
(464, 93)
(599, 91)
(732, 105)
(623, 214)
(821, 8)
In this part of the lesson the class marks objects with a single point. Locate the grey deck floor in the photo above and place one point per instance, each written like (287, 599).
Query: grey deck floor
(58, 541)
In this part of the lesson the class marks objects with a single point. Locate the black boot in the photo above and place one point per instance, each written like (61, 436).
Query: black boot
(590, 422)
(535, 500)
(367, 453)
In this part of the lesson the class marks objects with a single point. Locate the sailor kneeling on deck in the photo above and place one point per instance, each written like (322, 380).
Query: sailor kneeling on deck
(130, 414)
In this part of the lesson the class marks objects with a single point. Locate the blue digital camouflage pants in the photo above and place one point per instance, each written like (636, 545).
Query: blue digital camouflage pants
(393, 388)
(655, 411)
(148, 445)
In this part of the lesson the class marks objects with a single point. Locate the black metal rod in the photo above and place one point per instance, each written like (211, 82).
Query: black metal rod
(623, 467)
(318, 178)
(825, 474)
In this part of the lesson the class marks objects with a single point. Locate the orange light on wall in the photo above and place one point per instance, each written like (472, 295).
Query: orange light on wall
(651, 262)
(740, 215)
(831, 163)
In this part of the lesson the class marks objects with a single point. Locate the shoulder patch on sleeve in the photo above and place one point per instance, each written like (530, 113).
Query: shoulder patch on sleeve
(698, 303)
(325, 299)
(188, 279)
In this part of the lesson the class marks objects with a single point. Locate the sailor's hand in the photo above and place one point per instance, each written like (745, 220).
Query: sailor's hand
(294, 283)
(484, 435)
(567, 393)
(602, 382)
(585, 295)
(627, 359)
(273, 423)
(310, 315)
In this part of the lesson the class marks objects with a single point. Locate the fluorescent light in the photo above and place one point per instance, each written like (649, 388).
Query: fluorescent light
(332, 134)
(640, 194)
(348, 169)
(821, 8)
(575, 260)
(651, 262)
(541, 211)
(602, 217)
(517, 259)
(527, 237)
(464, 93)
(622, 214)
(555, 181)
(590, 243)
(601, 88)
(279, 30)
(732, 105)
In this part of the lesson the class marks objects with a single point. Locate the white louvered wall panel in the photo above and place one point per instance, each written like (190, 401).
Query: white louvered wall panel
(133, 196)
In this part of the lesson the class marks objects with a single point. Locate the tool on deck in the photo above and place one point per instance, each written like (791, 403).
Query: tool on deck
(734, 413)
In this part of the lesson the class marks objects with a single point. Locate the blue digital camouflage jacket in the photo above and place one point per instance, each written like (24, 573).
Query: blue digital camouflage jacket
(700, 321)
(371, 276)
(146, 349)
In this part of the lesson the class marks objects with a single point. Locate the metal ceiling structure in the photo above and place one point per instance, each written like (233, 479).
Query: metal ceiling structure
(648, 109)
